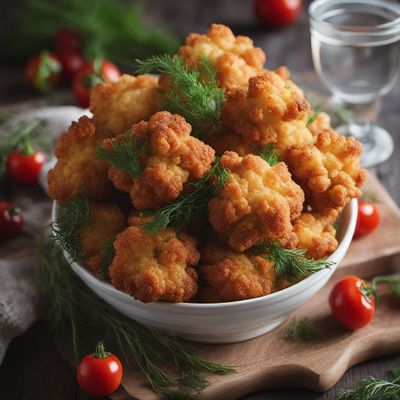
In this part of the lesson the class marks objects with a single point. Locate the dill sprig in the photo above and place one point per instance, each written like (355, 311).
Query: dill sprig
(179, 213)
(268, 153)
(314, 114)
(393, 283)
(194, 94)
(74, 307)
(372, 388)
(291, 264)
(107, 256)
(125, 154)
(73, 216)
(302, 330)
(369, 196)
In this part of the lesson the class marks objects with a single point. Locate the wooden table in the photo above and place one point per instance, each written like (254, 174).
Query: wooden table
(32, 369)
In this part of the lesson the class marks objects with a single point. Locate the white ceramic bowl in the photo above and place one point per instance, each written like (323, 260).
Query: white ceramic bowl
(224, 322)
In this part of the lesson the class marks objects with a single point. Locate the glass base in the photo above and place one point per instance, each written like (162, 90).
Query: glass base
(377, 143)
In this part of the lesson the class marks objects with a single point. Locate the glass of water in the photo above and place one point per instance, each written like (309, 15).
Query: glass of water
(356, 52)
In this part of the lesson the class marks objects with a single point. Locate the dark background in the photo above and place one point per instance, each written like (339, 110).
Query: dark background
(32, 368)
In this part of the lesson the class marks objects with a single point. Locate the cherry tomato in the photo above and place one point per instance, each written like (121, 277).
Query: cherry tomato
(25, 167)
(67, 39)
(368, 218)
(99, 374)
(277, 13)
(91, 75)
(43, 71)
(71, 61)
(352, 302)
(11, 221)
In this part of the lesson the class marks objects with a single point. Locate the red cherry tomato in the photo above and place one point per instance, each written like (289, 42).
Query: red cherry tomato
(368, 218)
(352, 302)
(277, 13)
(67, 39)
(43, 71)
(71, 61)
(11, 221)
(25, 168)
(99, 374)
(91, 75)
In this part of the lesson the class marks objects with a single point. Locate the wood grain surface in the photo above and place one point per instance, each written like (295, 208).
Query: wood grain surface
(33, 369)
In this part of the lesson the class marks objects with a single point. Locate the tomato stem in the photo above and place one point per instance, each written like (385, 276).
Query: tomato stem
(101, 351)
(26, 145)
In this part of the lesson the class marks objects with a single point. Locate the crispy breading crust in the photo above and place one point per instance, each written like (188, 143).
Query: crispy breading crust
(155, 267)
(256, 113)
(229, 276)
(235, 58)
(116, 106)
(77, 168)
(257, 204)
(173, 157)
(329, 171)
(316, 234)
(106, 221)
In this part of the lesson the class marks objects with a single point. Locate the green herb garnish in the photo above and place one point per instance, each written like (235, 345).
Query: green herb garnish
(107, 256)
(125, 154)
(369, 196)
(171, 368)
(269, 154)
(302, 330)
(72, 217)
(180, 212)
(313, 116)
(375, 389)
(291, 264)
(194, 94)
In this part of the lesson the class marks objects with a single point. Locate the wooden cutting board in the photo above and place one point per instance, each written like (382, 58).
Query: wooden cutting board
(272, 361)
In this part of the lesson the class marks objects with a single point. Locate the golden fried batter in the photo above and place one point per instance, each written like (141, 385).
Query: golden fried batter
(257, 204)
(235, 58)
(316, 234)
(329, 171)
(321, 123)
(155, 267)
(256, 113)
(228, 140)
(231, 276)
(173, 157)
(77, 168)
(106, 221)
(116, 106)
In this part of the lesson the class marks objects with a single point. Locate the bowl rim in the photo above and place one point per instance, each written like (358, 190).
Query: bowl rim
(271, 298)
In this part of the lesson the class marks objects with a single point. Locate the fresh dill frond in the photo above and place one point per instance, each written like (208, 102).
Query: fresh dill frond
(291, 264)
(372, 388)
(268, 153)
(342, 112)
(171, 368)
(180, 212)
(73, 216)
(107, 256)
(314, 114)
(302, 330)
(124, 155)
(194, 94)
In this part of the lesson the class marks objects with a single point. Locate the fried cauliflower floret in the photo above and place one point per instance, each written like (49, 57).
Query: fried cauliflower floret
(316, 234)
(255, 112)
(173, 158)
(106, 221)
(77, 168)
(329, 171)
(235, 57)
(116, 106)
(228, 140)
(230, 276)
(257, 203)
(155, 267)
(321, 123)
